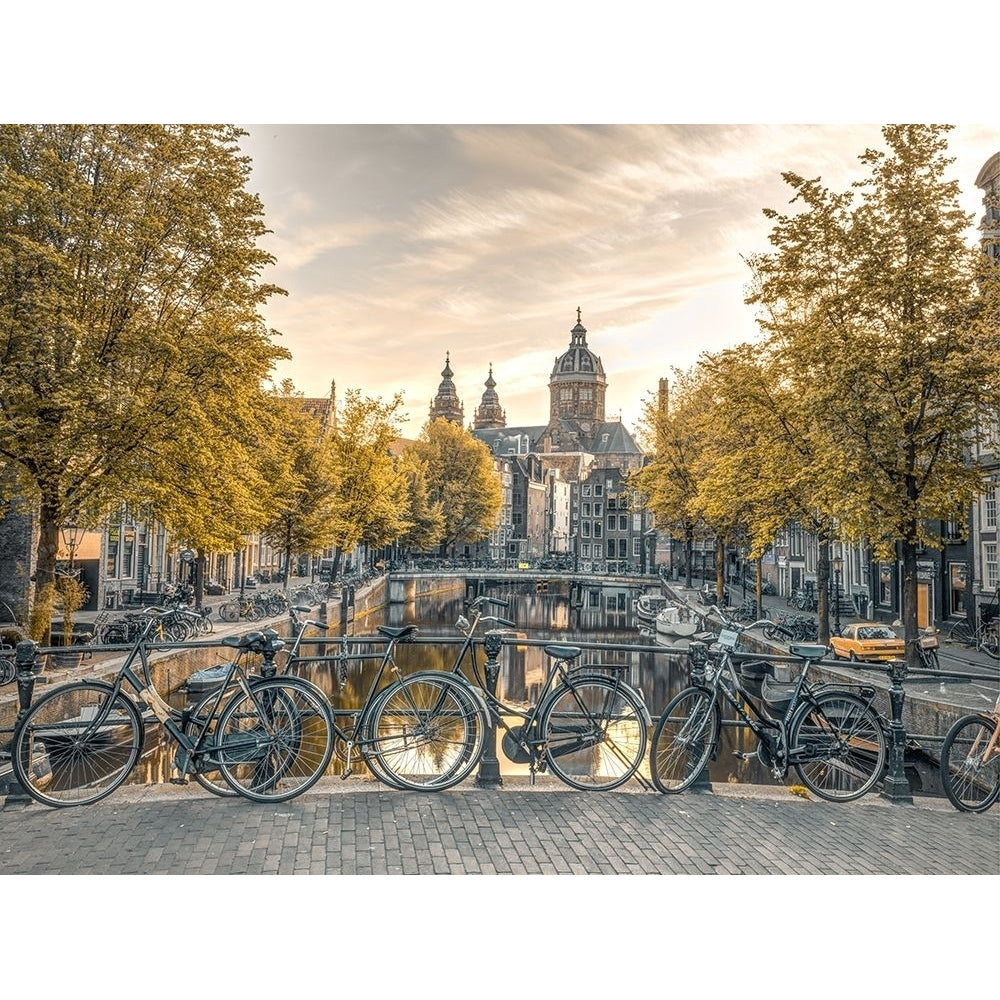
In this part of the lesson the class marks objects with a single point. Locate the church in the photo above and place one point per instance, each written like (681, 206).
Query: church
(566, 498)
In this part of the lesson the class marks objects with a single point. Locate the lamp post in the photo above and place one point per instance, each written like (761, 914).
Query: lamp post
(838, 565)
(72, 536)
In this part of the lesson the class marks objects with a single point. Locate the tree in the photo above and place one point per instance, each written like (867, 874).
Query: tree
(889, 326)
(461, 482)
(424, 517)
(129, 296)
(670, 481)
(370, 498)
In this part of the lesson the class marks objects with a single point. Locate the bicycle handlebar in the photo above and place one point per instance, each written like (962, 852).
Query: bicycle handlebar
(495, 601)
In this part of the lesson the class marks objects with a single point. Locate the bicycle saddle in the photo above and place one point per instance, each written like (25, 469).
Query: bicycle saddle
(808, 651)
(564, 652)
(256, 642)
(403, 634)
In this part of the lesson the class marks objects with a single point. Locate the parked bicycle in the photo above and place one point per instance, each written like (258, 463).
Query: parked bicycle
(927, 648)
(985, 636)
(271, 738)
(792, 628)
(832, 737)
(240, 607)
(587, 724)
(970, 761)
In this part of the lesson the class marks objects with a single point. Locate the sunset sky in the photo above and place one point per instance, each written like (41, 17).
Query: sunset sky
(397, 244)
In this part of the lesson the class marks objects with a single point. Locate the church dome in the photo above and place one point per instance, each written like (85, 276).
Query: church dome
(579, 362)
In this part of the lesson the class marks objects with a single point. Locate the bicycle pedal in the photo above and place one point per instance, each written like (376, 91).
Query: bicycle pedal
(346, 773)
(179, 781)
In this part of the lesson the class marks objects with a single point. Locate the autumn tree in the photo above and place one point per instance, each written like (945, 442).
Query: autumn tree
(461, 482)
(887, 322)
(676, 429)
(369, 505)
(424, 517)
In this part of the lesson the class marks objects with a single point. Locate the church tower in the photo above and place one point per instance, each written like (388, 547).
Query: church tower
(577, 384)
(489, 413)
(446, 403)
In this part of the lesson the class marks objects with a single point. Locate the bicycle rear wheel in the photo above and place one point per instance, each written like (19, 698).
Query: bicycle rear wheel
(595, 733)
(962, 632)
(77, 744)
(276, 741)
(229, 612)
(971, 782)
(837, 746)
(427, 732)
(686, 735)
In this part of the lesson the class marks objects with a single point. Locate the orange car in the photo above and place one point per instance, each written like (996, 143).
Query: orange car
(871, 641)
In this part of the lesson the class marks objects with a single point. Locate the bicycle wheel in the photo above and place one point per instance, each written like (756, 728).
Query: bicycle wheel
(962, 632)
(276, 741)
(686, 735)
(77, 744)
(971, 782)
(595, 733)
(837, 746)
(427, 731)
(229, 612)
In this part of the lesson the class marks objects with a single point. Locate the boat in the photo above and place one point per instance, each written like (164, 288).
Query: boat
(671, 630)
(648, 606)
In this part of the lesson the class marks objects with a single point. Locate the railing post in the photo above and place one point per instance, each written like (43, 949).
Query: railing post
(896, 787)
(489, 764)
(698, 659)
(25, 653)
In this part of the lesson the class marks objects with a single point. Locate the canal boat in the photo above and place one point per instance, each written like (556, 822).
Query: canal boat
(648, 606)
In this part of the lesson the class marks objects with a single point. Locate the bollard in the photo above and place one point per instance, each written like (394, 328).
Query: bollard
(698, 658)
(489, 765)
(896, 787)
(24, 659)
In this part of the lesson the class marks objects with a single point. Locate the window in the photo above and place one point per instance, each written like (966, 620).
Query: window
(585, 525)
(598, 529)
(586, 490)
(958, 574)
(611, 548)
(623, 522)
(586, 550)
(611, 522)
(636, 550)
(991, 570)
(622, 548)
(598, 509)
(598, 490)
(990, 506)
(586, 510)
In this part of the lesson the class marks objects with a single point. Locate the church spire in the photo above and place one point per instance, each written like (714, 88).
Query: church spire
(446, 404)
(489, 413)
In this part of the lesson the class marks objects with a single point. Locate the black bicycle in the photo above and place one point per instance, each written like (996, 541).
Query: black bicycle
(586, 724)
(832, 737)
(271, 738)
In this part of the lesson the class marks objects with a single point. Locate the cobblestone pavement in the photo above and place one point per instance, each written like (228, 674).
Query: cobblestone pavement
(358, 827)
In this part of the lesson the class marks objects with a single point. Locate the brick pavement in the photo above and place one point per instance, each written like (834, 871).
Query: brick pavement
(359, 828)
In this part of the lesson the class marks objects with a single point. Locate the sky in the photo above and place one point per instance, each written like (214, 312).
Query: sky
(401, 244)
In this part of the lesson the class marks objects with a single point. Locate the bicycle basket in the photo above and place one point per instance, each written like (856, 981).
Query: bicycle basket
(752, 674)
(928, 642)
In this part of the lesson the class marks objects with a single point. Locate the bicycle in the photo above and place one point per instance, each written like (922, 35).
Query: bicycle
(985, 636)
(271, 738)
(970, 761)
(927, 644)
(424, 731)
(833, 738)
(589, 728)
(234, 610)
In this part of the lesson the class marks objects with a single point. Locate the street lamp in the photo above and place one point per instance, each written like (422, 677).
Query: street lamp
(838, 565)
(72, 536)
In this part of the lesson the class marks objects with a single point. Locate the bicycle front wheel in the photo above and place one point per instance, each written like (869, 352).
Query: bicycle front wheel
(276, 741)
(971, 780)
(837, 746)
(594, 730)
(962, 632)
(426, 732)
(77, 744)
(686, 735)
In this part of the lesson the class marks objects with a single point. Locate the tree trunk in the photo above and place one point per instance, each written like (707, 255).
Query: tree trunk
(720, 570)
(909, 552)
(823, 589)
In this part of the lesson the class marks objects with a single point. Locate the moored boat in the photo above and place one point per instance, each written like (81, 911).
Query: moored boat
(648, 606)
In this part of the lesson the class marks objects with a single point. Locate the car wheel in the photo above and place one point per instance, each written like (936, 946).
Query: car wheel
(854, 657)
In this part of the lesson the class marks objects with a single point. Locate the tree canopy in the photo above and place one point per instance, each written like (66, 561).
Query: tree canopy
(130, 336)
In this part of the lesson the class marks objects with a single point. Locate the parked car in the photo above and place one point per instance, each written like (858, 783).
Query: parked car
(867, 641)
